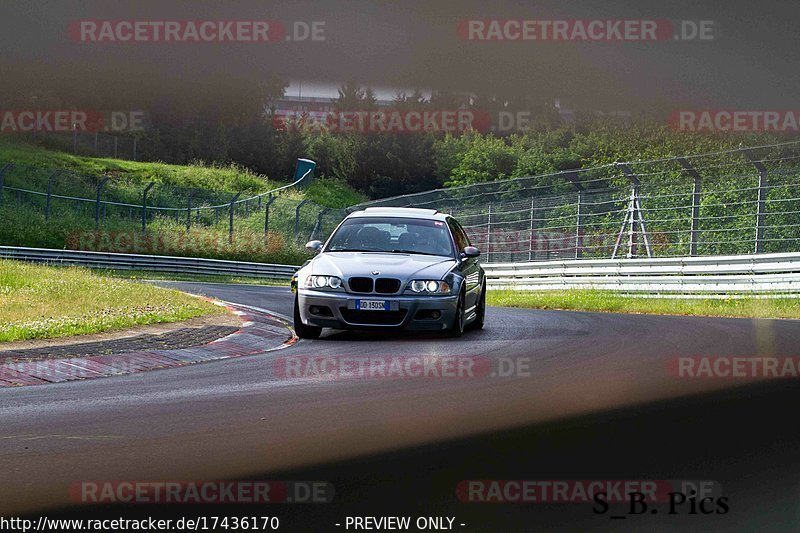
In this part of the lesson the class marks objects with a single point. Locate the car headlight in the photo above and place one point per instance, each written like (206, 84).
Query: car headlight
(429, 286)
(320, 282)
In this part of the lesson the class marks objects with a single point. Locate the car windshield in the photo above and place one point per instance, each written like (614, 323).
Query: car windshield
(392, 235)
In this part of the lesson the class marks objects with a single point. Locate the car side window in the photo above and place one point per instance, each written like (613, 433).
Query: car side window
(463, 233)
(458, 234)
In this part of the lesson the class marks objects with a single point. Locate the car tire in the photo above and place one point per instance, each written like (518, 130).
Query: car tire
(303, 331)
(457, 329)
(480, 311)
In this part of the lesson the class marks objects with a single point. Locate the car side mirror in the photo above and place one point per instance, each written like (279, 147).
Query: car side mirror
(314, 246)
(471, 251)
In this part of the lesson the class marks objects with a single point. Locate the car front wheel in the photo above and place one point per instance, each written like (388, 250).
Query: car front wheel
(457, 329)
(303, 331)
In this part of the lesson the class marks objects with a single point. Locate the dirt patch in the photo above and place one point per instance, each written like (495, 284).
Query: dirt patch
(194, 332)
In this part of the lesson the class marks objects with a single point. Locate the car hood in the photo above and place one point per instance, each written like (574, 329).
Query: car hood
(401, 266)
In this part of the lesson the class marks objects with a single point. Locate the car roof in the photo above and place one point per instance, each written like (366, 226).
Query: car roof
(405, 212)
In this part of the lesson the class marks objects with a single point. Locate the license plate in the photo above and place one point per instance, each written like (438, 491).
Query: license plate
(372, 305)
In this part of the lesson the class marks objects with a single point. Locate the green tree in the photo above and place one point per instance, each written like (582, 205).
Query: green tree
(351, 97)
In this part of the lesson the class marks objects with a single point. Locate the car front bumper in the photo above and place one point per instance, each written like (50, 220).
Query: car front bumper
(413, 312)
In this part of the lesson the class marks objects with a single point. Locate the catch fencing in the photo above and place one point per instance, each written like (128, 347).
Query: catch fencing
(741, 201)
(116, 204)
(734, 202)
(92, 143)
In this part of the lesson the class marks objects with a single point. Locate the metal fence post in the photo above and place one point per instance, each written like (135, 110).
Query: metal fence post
(489, 235)
(3, 171)
(572, 176)
(761, 208)
(635, 214)
(318, 224)
(115, 146)
(49, 194)
(697, 190)
(633, 236)
(134, 148)
(266, 217)
(189, 210)
(297, 219)
(95, 142)
(97, 202)
(230, 220)
(530, 240)
(74, 139)
(144, 205)
(579, 226)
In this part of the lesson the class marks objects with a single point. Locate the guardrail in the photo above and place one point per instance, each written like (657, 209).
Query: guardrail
(736, 274)
(149, 263)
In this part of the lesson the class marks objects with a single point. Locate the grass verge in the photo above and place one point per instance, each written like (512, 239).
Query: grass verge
(130, 177)
(138, 275)
(607, 301)
(33, 221)
(44, 302)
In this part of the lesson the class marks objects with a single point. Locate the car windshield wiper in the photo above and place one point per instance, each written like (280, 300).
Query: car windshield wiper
(414, 252)
(353, 250)
(385, 251)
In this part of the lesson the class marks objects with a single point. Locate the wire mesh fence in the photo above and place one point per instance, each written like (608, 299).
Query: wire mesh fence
(735, 202)
(123, 146)
(727, 203)
(111, 213)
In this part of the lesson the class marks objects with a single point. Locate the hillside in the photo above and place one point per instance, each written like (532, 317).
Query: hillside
(132, 174)
(70, 222)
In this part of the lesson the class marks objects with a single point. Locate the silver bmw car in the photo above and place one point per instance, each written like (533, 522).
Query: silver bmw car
(392, 267)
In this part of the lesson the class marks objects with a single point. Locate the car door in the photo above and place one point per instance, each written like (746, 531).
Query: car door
(468, 266)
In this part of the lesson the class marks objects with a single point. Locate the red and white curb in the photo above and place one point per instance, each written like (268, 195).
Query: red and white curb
(261, 331)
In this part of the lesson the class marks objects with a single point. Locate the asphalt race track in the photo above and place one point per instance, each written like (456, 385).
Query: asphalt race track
(599, 403)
